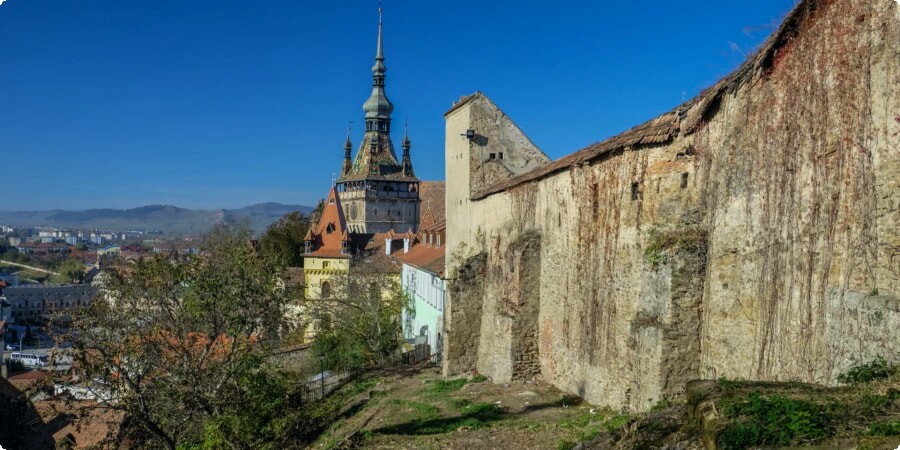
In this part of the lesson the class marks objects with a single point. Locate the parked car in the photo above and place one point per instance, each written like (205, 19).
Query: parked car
(13, 347)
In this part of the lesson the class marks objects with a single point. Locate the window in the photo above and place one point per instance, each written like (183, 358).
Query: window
(635, 191)
(684, 180)
(329, 228)
(326, 264)
(326, 289)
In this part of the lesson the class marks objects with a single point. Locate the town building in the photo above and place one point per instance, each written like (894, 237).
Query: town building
(327, 251)
(39, 302)
(422, 278)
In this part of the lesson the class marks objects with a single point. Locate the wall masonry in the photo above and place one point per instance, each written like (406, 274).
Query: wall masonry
(753, 232)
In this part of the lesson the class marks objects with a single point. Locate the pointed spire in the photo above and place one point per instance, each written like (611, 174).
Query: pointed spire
(406, 142)
(348, 148)
(407, 162)
(379, 52)
(378, 108)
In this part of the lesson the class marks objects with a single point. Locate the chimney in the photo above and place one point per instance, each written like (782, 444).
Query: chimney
(406, 245)
(387, 246)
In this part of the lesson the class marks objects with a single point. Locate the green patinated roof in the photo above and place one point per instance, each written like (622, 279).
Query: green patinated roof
(381, 165)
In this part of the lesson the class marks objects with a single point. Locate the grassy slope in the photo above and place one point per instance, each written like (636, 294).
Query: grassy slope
(418, 409)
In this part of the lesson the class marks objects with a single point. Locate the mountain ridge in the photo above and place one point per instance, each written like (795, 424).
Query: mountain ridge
(158, 217)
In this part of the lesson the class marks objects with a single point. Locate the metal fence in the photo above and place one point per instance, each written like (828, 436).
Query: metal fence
(323, 384)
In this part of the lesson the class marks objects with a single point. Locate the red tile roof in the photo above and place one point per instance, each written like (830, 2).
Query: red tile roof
(426, 257)
(331, 231)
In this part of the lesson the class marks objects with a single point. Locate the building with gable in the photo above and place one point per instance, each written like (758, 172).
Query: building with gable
(327, 249)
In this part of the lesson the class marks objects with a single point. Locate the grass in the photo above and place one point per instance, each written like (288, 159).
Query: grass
(423, 409)
(441, 387)
(477, 415)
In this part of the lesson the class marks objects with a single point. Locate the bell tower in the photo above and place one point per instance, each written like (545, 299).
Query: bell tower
(379, 193)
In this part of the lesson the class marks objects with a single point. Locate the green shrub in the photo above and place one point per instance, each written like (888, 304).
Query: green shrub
(876, 369)
(887, 428)
(772, 421)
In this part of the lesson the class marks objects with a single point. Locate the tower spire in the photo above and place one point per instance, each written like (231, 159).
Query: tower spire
(407, 162)
(348, 148)
(379, 53)
(378, 108)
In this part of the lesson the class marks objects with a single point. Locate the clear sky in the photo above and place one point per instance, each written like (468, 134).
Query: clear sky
(221, 104)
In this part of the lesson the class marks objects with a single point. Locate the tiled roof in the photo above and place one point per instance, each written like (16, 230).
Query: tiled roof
(87, 422)
(331, 231)
(425, 257)
(24, 381)
(381, 165)
(431, 195)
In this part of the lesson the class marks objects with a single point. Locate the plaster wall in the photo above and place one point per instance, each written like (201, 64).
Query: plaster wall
(762, 244)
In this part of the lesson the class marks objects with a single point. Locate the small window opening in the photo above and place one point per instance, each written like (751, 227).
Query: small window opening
(635, 191)
(492, 156)
(684, 180)
(500, 155)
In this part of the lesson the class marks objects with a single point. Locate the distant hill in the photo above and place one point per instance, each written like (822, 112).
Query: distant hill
(165, 218)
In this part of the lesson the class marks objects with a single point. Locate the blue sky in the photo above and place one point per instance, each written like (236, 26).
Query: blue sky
(221, 104)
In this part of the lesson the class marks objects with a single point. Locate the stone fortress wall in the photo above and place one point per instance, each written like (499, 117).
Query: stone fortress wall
(753, 232)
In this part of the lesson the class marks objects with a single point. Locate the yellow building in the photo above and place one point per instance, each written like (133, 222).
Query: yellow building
(327, 250)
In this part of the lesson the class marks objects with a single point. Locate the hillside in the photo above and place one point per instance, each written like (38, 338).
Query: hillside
(165, 218)
(418, 409)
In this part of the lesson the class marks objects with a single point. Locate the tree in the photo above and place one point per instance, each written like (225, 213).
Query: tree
(70, 270)
(359, 323)
(283, 240)
(177, 345)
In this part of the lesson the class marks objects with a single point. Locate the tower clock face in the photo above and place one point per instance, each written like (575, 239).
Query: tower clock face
(353, 211)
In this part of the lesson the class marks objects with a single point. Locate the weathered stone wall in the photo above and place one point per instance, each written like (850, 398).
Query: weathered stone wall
(508, 347)
(463, 317)
(762, 241)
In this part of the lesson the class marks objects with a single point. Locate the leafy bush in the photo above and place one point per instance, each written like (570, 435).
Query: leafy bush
(772, 421)
(874, 370)
(887, 428)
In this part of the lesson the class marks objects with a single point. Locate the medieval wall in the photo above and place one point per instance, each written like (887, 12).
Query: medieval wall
(761, 241)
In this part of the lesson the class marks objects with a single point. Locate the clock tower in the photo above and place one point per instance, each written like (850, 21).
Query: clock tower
(378, 192)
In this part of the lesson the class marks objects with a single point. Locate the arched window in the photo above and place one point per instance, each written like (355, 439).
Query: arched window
(326, 289)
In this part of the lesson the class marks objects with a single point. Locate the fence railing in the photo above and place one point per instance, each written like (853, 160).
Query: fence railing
(323, 384)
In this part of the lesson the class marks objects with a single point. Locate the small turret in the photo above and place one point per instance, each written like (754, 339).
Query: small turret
(348, 149)
(407, 162)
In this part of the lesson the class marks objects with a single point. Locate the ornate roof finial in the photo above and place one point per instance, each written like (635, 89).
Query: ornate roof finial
(406, 142)
(348, 146)
(379, 53)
